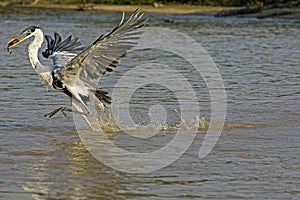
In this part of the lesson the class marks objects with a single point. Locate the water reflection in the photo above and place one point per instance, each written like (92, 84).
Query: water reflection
(70, 174)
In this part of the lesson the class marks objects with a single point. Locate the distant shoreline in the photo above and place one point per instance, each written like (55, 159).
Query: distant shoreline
(281, 13)
(164, 9)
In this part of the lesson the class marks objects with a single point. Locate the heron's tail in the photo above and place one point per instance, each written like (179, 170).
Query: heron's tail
(103, 96)
(100, 98)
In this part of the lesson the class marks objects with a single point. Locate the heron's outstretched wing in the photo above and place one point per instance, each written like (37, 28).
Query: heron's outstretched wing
(61, 51)
(104, 53)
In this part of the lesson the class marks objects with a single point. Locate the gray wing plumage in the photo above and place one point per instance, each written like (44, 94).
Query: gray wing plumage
(104, 53)
(61, 51)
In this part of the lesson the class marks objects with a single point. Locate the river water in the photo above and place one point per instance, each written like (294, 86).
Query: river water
(256, 156)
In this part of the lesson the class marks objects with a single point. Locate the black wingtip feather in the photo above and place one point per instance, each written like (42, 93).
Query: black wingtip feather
(57, 44)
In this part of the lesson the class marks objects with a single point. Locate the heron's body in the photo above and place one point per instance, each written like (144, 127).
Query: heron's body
(76, 70)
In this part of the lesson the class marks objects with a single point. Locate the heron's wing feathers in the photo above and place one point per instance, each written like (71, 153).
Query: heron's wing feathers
(105, 52)
(61, 51)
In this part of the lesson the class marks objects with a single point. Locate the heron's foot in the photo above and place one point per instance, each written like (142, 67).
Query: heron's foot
(61, 109)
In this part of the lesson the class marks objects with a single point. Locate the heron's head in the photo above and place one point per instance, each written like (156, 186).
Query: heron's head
(27, 33)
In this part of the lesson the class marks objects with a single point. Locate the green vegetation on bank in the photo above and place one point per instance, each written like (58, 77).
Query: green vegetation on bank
(219, 8)
(164, 2)
(191, 2)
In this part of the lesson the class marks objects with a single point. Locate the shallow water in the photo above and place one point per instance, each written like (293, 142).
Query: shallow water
(256, 157)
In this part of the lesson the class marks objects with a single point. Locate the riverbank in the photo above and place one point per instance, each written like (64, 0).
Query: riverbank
(284, 12)
(160, 9)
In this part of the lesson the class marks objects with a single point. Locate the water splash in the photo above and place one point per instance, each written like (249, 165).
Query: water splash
(109, 126)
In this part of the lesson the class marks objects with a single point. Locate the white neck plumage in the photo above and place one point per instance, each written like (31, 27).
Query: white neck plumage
(33, 51)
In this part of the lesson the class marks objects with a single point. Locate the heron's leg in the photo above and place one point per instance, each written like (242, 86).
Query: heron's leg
(61, 109)
(80, 111)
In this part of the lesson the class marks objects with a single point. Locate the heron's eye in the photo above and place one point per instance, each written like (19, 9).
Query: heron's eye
(27, 32)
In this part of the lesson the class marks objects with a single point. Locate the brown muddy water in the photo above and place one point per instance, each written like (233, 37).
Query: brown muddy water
(256, 157)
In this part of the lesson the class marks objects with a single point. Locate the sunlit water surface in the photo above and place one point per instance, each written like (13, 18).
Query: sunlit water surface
(257, 155)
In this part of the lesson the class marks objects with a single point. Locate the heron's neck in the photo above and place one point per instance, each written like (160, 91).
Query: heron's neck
(33, 50)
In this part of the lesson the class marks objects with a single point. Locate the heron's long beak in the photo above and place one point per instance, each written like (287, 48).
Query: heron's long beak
(14, 41)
